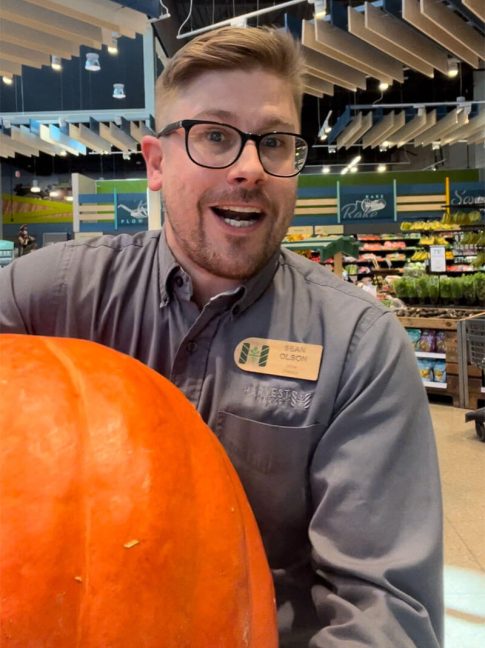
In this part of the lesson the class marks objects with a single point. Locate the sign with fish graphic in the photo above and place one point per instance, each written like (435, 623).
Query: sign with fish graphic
(377, 203)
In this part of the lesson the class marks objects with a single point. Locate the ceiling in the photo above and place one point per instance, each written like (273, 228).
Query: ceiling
(407, 43)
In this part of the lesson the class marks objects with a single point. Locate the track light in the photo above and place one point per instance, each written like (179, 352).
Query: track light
(452, 68)
(332, 149)
(113, 46)
(381, 168)
(435, 146)
(119, 91)
(92, 62)
(7, 80)
(383, 86)
(35, 186)
(56, 63)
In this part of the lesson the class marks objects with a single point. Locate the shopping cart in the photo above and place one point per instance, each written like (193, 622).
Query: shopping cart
(475, 337)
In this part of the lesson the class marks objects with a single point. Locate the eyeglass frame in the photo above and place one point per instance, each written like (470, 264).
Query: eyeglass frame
(187, 124)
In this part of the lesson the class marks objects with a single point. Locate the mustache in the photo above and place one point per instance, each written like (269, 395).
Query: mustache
(236, 195)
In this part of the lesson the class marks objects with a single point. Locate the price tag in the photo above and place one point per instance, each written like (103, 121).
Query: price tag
(437, 258)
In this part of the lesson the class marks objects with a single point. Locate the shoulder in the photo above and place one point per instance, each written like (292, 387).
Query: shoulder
(320, 282)
(110, 249)
(116, 243)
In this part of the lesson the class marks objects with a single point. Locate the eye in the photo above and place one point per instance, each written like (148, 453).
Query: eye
(273, 141)
(216, 136)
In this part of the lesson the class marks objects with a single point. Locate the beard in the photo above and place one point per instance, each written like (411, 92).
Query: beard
(230, 257)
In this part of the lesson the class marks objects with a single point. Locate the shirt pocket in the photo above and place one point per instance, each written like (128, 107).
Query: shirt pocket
(272, 462)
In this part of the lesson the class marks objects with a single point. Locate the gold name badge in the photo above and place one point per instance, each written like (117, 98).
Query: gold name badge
(279, 358)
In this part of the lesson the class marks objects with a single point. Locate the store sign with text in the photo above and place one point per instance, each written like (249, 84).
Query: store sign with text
(373, 203)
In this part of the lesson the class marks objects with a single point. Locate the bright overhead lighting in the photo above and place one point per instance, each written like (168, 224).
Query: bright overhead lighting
(63, 153)
(119, 91)
(92, 62)
(54, 193)
(452, 68)
(35, 186)
(7, 80)
(353, 169)
(56, 63)
(68, 198)
(435, 146)
(320, 8)
(332, 149)
(355, 161)
(383, 86)
(322, 137)
(113, 46)
(344, 170)
(382, 168)
(326, 169)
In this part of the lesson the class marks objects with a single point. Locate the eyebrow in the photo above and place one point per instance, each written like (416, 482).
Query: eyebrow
(224, 115)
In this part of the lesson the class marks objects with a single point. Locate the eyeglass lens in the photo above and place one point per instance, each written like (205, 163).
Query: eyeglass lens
(217, 146)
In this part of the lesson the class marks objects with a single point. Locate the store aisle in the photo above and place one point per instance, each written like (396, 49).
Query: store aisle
(462, 465)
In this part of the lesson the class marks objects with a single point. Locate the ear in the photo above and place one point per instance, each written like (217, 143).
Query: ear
(152, 154)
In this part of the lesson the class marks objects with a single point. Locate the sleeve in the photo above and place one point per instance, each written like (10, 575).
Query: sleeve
(376, 531)
(30, 288)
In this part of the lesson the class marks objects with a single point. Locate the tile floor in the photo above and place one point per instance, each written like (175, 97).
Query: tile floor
(462, 465)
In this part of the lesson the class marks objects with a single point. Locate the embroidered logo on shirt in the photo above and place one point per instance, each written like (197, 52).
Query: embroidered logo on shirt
(279, 396)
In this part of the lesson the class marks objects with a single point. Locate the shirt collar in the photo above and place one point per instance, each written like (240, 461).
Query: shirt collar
(244, 296)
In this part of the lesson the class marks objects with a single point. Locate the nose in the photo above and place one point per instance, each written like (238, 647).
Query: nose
(247, 169)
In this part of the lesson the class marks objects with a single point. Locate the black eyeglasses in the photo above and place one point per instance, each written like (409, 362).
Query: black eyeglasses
(216, 146)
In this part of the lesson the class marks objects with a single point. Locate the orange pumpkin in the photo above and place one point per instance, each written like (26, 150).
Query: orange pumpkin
(122, 522)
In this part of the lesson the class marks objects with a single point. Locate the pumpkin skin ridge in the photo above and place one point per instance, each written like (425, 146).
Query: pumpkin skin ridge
(67, 364)
(187, 424)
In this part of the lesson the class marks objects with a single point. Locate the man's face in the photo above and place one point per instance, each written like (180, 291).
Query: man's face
(226, 222)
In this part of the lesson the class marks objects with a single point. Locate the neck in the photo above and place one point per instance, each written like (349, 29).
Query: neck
(205, 285)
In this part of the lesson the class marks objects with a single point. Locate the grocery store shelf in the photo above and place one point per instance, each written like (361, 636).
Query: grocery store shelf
(427, 354)
(437, 385)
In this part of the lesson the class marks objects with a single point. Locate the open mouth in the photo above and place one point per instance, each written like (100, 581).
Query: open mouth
(238, 216)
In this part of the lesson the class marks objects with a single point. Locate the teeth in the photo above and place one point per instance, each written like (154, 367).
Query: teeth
(238, 223)
(242, 210)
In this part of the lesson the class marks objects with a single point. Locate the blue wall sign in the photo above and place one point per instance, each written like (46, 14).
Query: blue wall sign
(373, 203)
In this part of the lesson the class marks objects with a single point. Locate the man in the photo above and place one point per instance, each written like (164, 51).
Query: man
(310, 384)
(25, 240)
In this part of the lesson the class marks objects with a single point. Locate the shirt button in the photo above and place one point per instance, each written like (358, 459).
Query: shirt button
(191, 346)
(179, 281)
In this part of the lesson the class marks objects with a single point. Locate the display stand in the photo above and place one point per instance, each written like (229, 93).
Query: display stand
(329, 247)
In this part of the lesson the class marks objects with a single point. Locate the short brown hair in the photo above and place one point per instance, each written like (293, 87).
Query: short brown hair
(234, 48)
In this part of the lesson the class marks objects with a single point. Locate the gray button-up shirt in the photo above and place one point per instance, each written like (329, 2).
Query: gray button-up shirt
(341, 471)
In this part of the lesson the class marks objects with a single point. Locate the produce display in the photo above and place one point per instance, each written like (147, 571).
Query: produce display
(437, 289)
(461, 217)
(122, 521)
